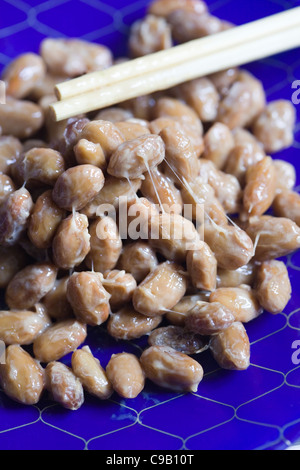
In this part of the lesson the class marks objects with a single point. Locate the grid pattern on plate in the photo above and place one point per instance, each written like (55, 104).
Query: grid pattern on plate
(255, 409)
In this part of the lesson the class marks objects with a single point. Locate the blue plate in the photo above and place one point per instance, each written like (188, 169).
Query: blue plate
(254, 409)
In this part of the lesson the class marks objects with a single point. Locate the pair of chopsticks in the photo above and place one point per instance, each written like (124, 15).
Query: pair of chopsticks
(165, 69)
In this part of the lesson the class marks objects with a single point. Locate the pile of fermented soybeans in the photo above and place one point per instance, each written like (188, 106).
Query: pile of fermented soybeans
(206, 143)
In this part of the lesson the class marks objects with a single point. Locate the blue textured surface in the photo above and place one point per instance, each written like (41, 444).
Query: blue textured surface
(255, 409)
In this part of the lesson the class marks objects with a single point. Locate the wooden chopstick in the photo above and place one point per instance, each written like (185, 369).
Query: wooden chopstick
(184, 52)
(281, 34)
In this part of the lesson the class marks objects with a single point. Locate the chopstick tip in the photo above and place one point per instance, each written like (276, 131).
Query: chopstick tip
(53, 113)
(57, 92)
